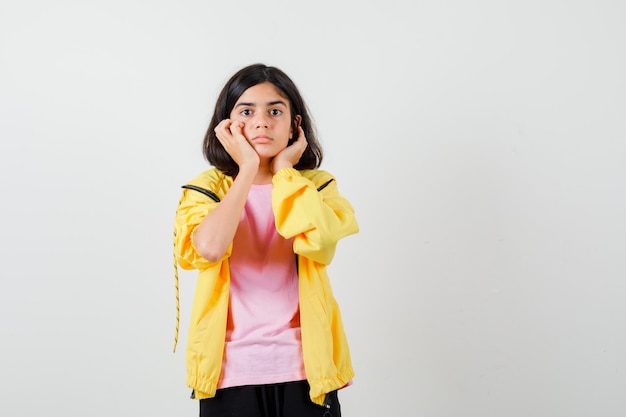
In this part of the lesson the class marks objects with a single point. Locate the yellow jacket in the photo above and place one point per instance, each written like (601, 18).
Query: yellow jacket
(308, 207)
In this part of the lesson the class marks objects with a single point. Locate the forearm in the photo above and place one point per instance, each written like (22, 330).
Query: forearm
(217, 230)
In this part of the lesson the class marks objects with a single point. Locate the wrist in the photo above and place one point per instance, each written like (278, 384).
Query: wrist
(278, 165)
(248, 171)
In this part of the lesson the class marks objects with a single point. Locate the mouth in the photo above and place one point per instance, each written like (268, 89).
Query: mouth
(261, 139)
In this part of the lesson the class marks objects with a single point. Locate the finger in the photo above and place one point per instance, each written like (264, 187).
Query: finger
(223, 128)
(224, 124)
(236, 128)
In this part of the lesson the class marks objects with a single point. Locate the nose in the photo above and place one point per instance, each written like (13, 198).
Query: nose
(261, 122)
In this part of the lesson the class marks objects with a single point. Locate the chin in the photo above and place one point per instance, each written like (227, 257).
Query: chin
(263, 154)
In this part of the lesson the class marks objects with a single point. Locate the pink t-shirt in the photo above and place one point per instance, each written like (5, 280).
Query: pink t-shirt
(263, 344)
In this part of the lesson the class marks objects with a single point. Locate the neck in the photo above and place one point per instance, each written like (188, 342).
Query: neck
(264, 174)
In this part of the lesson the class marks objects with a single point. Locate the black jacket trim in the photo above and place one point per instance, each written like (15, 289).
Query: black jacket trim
(321, 187)
(204, 191)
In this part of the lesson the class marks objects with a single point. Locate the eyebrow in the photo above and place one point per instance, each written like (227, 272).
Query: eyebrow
(271, 103)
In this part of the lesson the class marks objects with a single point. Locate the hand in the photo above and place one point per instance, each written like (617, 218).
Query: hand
(290, 156)
(229, 133)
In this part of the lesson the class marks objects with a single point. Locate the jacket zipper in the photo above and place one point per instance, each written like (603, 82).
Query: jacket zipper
(326, 405)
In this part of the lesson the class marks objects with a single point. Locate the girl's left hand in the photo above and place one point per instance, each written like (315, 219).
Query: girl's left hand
(290, 156)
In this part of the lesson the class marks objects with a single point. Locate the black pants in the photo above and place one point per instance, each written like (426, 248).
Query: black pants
(290, 399)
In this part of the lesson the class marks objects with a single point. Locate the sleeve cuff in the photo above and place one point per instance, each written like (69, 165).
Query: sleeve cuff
(287, 173)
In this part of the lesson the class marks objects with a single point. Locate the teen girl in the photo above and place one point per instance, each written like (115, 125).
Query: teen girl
(265, 336)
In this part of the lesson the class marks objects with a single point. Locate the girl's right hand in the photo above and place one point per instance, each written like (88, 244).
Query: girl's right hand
(230, 134)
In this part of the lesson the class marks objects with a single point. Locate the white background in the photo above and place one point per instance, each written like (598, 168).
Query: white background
(482, 144)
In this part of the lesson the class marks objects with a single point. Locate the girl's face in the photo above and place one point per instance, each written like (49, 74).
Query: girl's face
(266, 117)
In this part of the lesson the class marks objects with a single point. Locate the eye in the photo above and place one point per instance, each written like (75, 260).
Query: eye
(276, 112)
(245, 112)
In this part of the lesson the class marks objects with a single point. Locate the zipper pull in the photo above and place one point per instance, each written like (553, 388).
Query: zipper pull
(327, 412)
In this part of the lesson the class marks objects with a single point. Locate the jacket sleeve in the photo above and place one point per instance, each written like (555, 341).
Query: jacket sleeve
(316, 219)
(192, 208)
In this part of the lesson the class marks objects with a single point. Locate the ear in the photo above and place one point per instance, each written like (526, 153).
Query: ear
(296, 124)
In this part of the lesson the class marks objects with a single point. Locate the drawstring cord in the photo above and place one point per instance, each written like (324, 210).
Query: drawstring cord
(177, 295)
(176, 283)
